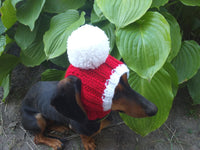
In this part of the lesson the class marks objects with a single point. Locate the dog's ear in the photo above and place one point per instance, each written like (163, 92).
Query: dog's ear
(67, 99)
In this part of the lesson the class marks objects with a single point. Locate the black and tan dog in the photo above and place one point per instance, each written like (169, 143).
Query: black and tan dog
(59, 102)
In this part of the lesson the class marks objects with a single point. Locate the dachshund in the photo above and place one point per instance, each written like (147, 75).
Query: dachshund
(52, 104)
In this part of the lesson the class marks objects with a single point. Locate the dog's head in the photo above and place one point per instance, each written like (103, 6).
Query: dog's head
(128, 101)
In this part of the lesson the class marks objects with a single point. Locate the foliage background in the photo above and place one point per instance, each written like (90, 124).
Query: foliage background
(157, 39)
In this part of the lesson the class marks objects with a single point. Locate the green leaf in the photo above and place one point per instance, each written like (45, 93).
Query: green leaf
(61, 60)
(33, 55)
(60, 6)
(29, 11)
(8, 14)
(8, 40)
(191, 2)
(158, 3)
(53, 75)
(2, 43)
(115, 53)
(96, 14)
(6, 86)
(145, 44)
(62, 25)
(94, 18)
(24, 36)
(7, 63)
(123, 12)
(159, 92)
(173, 74)
(193, 87)
(98, 11)
(187, 62)
(176, 36)
(109, 29)
(2, 28)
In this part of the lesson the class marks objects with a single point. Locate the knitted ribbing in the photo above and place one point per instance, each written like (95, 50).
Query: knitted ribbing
(98, 85)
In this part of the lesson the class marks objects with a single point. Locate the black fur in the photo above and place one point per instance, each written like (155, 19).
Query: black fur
(65, 100)
(56, 103)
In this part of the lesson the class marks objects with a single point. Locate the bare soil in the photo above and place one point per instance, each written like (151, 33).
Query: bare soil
(180, 132)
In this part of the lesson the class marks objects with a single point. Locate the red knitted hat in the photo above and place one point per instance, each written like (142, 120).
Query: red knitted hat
(99, 72)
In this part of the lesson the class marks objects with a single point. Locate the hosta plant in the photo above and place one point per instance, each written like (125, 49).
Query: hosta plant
(157, 39)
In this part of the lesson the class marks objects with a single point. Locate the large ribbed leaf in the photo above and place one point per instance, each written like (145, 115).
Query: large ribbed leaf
(145, 44)
(33, 55)
(109, 29)
(158, 3)
(115, 53)
(123, 12)
(8, 14)
(94, 18)
(96, 14)
(24, 36)
(62, 25)
(158, 91)
(173, 74)
(191, 2)
(53, 75)
(28, 12)
(187, 62)
(175, 33)
(59, 6)
(61, 60)
(193, 87)
(97, 10)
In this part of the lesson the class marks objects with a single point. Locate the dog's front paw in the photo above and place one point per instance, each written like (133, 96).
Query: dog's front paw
(54, 143)
(88, 142)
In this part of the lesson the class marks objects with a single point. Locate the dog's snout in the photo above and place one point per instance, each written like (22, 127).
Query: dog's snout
(152, 110)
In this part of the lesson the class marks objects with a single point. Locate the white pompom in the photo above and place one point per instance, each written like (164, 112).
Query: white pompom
(87, 47)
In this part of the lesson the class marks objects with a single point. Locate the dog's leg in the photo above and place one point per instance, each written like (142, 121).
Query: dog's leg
(41, 139)
(88, 141)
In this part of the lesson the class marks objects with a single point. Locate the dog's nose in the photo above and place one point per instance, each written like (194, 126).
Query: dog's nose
(152, 110)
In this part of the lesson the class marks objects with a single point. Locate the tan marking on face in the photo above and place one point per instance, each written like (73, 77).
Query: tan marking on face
(129, 107)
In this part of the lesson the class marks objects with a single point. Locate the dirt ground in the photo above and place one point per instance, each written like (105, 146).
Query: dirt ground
(180, 132)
